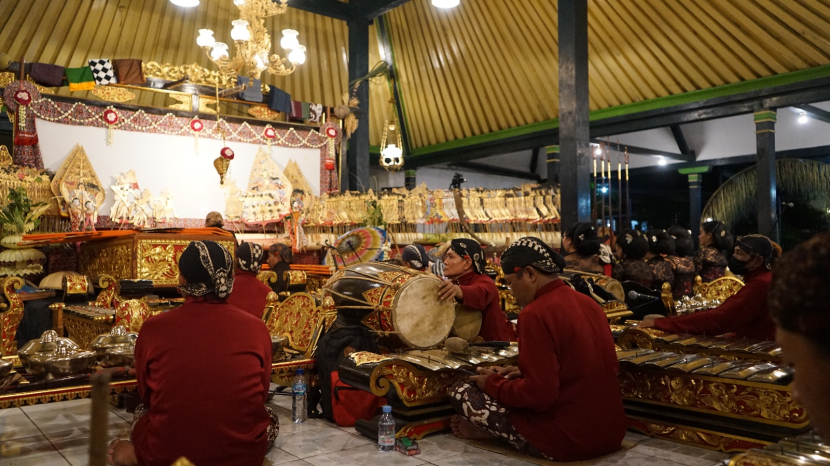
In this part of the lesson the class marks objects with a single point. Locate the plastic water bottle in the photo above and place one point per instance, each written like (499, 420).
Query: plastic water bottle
(386, 430)
(300, 392)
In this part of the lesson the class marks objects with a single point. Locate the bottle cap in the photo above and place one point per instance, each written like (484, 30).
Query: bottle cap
(300, 371)
(387, 409)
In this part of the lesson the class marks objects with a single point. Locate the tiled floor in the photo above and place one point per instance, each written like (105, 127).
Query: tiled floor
(57, 434)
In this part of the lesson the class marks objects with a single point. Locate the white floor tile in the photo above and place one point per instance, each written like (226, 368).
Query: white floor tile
(442, 446)
(50, 409)
(277, 456)
(15, 424)
(366, 455)
(326, 440)
(675, 452)
(77, 457)
(24, 448)
(632, 458)
(480, 457)
(47, 459)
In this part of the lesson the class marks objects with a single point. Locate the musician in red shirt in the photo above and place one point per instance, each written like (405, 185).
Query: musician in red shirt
(203, 373)
(745, 313)
(563, 401)
(464, 267)
(248, 292)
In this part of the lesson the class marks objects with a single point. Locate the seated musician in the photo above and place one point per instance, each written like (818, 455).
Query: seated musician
(415, 257)
(563, 401)
(280, 257)
(203, 374)
(630, 249)
(464, 267)
(745, 313)
(248, 292)
(660, 245)
(582, 248)
(798, 301)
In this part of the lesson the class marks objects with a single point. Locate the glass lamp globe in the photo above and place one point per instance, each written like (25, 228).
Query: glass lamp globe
(297, 55)
(289, 39)
(240, 30)
(220, 50)
(185, 3)
(446, 3)
(205, 38)
(238, 2)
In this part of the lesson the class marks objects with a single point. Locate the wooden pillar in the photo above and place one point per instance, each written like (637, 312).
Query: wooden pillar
(573, 112)
(695, 175)
(356, 171)
(767, 195)
(553, 165)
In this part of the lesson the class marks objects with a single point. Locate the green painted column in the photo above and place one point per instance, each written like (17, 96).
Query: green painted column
(767, 195)
(695, 175)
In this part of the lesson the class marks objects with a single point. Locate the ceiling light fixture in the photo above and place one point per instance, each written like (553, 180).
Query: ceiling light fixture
(252, 42)
(598, 150)
(661, 161)
(445, 3)
(803, 118)
(185, 3)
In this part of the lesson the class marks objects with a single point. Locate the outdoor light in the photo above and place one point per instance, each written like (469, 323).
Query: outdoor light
(661, 161)
(185, 3)
(803, 118)
(604, 189)
(445, 3)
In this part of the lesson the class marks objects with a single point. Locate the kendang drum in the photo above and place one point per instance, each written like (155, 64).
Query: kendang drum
(467, 324)
(400, 305)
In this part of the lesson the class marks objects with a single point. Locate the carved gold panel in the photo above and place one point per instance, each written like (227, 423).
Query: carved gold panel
(185, 102)
(83, 330)
(413, 387)
(10, 319)
(765, 403)
(297, 319)
(107, 258)
(113, 94)
(158, 260)
(205, 105)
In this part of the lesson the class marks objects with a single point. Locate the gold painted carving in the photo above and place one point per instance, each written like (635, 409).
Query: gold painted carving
(185, 102)
(75, 284)
(7, 77)
(83, 330)
(734, 399)
(637, 338)
(204, 103)
(705, 439)
(282, 373)
(110, 290)
(367, 357)
(754, 459)
(263, 113)
(195, 74)
(158, 260)
(297, 319)
(10, 319)
(268, 277)
(106, 259)
(414, 387)
(17, 400)
(721, 289)
(296, 277)
(113, 94)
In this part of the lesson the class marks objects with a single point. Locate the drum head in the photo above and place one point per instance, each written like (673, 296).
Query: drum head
(420, 318)
(467, 323)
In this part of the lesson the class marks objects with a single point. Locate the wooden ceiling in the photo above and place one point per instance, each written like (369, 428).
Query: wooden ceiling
(484, 66)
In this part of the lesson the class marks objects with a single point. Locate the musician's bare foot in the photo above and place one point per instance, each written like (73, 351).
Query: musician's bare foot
(466, 430)
(121, 453)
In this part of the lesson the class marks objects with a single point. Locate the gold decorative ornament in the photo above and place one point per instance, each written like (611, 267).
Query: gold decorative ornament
(413, 386)
(205, 105)
(391, 143)
(366, 357)
(10, 318)
(113, 94)
(297, 319)
(185, 102)
(263, 113)
(253, 43)
(194, 73)
(7, 77)
(5, 157)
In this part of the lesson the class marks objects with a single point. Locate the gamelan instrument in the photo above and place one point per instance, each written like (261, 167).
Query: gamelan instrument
(715, 392)
(467, 324)
(400, 305)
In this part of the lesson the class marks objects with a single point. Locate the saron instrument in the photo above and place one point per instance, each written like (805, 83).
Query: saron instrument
(401, 305)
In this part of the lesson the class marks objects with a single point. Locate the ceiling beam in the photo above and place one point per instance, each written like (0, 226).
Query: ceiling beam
(682, 145)
(815, 112)
(371, 9)
(803, 153)
(494, 170)
(645, 151)
(330, 8)
(786, 95)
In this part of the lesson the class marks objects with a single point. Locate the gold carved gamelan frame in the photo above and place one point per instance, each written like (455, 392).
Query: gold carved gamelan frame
(719, 290)
(11, 316)
(144, 256)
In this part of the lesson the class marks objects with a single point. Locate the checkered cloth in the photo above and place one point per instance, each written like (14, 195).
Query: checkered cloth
(102, 71)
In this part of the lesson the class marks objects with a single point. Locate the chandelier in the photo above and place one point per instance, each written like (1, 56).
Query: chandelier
(253, 43)
(391, 155)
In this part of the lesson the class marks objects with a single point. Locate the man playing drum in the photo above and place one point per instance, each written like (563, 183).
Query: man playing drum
(563, 402)
(464, 267)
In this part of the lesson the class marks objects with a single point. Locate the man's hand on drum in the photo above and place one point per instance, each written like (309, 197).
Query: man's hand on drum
(481, 380)
(508, 372)
(449, 291)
